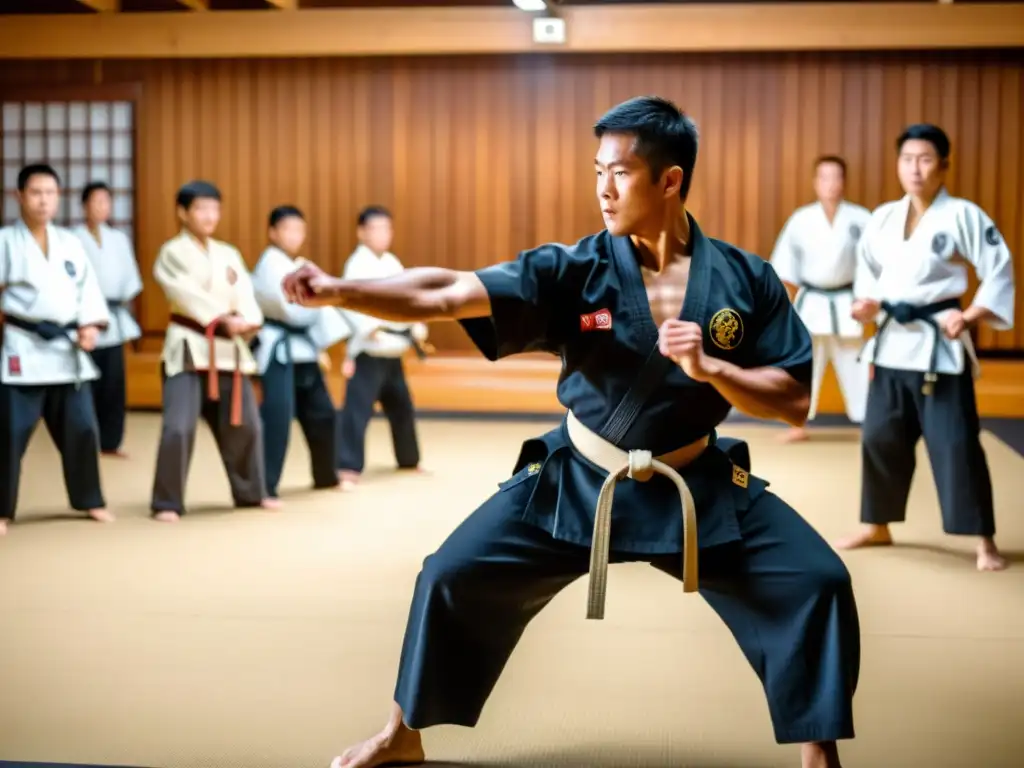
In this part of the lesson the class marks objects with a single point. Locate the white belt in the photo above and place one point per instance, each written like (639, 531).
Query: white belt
(640, 466)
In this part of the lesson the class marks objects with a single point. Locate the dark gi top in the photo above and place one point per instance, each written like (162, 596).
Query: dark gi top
(587, 303)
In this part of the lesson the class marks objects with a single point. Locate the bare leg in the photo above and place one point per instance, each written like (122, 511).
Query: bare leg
(989, 558)
(396, 744)
(823, 754)
(868, 536)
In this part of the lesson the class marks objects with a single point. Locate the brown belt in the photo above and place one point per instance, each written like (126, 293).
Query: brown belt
(218, 329)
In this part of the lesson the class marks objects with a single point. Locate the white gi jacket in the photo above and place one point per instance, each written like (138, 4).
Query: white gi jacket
(59, 288)
(364, 264)
(205, 286)
(323, 326)
(929, 266)
(814, 254)
(113, 261)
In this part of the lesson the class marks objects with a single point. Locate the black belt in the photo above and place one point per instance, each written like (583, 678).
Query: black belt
(828, 293)
(48, 331)
(904, 313)
(421, 353)
(289, 330)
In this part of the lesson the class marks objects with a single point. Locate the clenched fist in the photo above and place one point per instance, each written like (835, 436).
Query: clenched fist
(683, 342)
(88, 335)
(308, 285)
(865, 310)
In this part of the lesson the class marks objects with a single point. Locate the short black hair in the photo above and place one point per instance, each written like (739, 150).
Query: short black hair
(283, 212)
(94, 186)
(35, 169)
(833, 159)
(372, 212)
(196, 190)
(665, 135)
(926, 132)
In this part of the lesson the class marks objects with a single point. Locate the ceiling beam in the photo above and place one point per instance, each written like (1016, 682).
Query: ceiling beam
(102, 6)
(196, 5)
(506, 30)
(284, 5)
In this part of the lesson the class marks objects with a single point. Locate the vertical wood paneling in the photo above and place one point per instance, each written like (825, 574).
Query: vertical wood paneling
(480, 157)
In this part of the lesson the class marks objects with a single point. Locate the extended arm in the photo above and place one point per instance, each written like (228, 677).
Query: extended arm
(419, 294)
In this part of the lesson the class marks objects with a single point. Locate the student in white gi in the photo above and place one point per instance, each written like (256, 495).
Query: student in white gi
(52, 311)
(911, 278)
(816, 258)
(113, 260)
(373, 361)
(207, 362)
(290, 355)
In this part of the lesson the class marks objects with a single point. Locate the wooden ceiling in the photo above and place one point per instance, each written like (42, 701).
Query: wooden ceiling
(20, 7)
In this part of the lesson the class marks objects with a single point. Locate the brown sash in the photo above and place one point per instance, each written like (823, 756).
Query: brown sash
(211, 332)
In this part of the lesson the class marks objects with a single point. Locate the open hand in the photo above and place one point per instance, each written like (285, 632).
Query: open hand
(308, 285)
(683, 342)
(88, 335)
(865, 310)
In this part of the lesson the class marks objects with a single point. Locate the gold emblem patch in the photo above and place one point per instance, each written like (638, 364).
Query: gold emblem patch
(726, 329)
(740, 477)
(533, 469)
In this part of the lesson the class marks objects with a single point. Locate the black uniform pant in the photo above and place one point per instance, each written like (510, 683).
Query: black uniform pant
(782, 591)
(71, 421)
(241, 449)
(109, 396)
(377, 379)
(898, 415)
(298, 391)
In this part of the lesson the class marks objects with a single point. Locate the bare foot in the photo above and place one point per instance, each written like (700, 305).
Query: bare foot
(989, 558)
(794, 435)
(101, 515)
(271, 504)
(347, 481)
(118, 454)
(392, 746)
(869, 536)
(3, 527)
(820, 755)
(166, 516)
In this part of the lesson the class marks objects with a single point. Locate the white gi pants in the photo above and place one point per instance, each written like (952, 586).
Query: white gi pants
(853, 379)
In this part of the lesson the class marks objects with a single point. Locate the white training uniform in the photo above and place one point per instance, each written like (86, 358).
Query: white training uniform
(204, 286)
(364, 264)
(113, 261)
(60, 288)
(324, 326)
(820, 257)
(928, 267)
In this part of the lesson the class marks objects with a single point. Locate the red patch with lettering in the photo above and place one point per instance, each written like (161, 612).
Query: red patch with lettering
(14, 365)
(601, 320)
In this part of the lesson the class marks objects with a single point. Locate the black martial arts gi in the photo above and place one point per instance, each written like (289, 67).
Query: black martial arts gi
(782, 591)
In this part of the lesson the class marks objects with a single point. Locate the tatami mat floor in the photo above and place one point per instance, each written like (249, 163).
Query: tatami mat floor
(257, 640)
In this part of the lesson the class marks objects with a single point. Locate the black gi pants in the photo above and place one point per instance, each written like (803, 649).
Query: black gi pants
(71, 421)
(298, 391)
(377, 379)
(109, 396)
(898, 415)
(782, 591)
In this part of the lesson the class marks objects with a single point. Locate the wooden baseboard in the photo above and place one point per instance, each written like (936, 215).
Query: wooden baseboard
(471, 384)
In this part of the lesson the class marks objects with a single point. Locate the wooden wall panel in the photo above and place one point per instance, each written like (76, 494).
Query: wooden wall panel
(482, 156)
